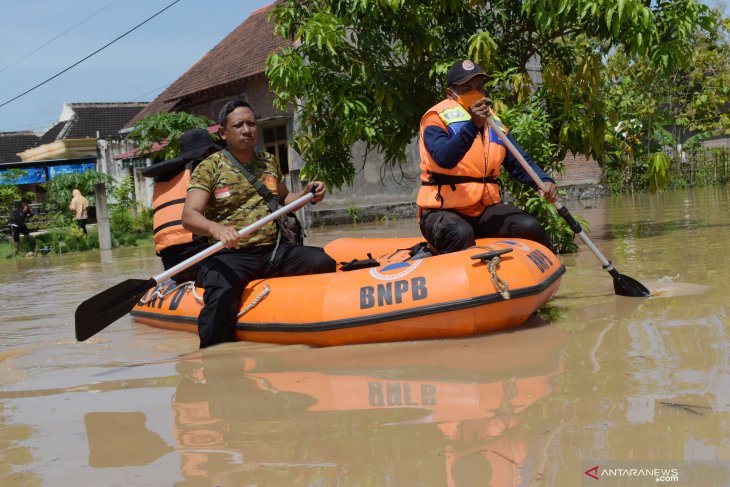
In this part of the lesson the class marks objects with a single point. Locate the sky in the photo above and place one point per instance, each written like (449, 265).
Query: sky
(138, 67)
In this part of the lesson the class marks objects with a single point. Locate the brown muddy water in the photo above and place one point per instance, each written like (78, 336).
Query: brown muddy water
(633, 391)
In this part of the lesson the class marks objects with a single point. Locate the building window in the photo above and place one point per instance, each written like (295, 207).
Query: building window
(275, 142)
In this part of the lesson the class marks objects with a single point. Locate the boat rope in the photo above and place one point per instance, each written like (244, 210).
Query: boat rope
(256, 300)
(492, 259)
(191, 288)
(162, 291)
(499, 284)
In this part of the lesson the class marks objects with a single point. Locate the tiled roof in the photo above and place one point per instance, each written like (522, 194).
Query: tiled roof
(13, 142)
(88, 119)
(104, 119)
(51, 134)
(242, 54)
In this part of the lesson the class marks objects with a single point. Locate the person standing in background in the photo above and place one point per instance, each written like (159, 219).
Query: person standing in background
(173, 243)
(79, 206)
(18, 215)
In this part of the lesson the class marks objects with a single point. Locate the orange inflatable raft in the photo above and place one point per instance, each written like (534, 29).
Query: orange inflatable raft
(495, 285)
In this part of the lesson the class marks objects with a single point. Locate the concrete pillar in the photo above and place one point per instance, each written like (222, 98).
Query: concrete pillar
(102, 217)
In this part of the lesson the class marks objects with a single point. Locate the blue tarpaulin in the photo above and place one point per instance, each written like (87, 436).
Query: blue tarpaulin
(29, 176)
(43, 174)
(54, 171)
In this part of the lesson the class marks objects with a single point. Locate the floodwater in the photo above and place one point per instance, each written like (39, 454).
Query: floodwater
(593, 380)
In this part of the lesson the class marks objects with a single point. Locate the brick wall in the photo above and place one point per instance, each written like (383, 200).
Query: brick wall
(579, 170)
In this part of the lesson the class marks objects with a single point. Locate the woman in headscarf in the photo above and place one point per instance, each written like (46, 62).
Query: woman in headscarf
(79, 205)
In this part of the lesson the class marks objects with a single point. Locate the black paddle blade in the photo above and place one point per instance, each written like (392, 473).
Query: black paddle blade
(100, 311)
(626, 286)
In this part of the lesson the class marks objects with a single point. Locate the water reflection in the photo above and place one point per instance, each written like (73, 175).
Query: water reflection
(14, 456)
(323, 417)
(608, 378)
(121, 439)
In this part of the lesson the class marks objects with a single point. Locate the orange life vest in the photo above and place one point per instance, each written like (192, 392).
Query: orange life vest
(472, 184)
(168, 199)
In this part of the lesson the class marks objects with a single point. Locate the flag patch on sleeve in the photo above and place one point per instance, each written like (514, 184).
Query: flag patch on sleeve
(223, 192)
(271, 183)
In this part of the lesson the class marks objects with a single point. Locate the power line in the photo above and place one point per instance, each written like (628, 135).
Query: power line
(151, 91)
(59, 35)
(87, 57)
(29, 125)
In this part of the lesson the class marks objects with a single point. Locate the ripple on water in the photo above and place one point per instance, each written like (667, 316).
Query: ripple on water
(667, 287)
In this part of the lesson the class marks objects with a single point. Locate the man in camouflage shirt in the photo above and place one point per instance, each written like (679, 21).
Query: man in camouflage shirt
(220, 201)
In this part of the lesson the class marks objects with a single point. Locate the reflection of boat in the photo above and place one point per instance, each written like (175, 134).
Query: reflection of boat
(419, 413)
(401, 298)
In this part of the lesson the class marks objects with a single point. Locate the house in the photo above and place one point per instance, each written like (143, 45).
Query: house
(78, 129)
(229, 71)
(85, 136)
(235, 69)
(12, 143)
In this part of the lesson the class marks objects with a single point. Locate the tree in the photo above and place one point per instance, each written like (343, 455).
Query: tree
(367, 70)
(10, 191)
(651, 110)
(60, 191)
(61, 187)
(160, 128)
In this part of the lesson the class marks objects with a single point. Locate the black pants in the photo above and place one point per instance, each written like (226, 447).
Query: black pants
(173, 255)
(81, 222)
(225, 274)
(18, 229)
(449, 231)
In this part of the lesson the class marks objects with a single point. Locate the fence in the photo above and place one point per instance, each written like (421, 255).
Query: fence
(704, 165)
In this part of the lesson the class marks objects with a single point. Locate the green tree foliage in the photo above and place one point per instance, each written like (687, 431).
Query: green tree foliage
(529, 123)
(123, 194)
(657, 174)
(649, 110)
(159, 128)
(10, 192)
(60, 189)
(367, 70)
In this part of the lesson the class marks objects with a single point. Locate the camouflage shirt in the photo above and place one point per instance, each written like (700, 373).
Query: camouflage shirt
(234, 202)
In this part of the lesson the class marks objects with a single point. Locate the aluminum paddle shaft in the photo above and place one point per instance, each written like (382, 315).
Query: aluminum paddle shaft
(623, 285)
(103, 309)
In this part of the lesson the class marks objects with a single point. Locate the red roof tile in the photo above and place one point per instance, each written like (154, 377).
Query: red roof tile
(242, 54)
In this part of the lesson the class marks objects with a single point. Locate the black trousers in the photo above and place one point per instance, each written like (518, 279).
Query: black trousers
(18, 229)
(81, 222)
(450, 231)
(173, 255)
(225, 274)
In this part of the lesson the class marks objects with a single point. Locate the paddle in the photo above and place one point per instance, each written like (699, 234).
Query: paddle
(623, 285)
(103, 309)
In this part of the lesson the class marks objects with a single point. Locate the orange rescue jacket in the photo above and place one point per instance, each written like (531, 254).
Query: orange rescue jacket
(472, 184)
(168, 199)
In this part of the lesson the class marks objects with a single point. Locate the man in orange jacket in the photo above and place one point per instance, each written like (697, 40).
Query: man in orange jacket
(461, 159)
(173, 243)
